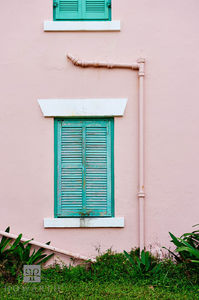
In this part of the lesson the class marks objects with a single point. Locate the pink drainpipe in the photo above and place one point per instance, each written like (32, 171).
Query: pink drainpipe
(138, 66)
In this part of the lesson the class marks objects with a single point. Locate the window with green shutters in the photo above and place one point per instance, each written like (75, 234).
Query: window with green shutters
(84, 167)
(82, 10)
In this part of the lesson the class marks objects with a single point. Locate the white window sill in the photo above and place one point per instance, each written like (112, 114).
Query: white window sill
(83, 222)
(81, 25)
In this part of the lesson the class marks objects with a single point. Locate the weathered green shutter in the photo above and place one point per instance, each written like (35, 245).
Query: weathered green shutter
(70, 167)
(98, 167)
(81, 9)
(84, 176)
(67, 9)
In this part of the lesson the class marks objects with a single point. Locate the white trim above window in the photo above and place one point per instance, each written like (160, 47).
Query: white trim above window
(82, 107)
(83, 222)
(81, 25)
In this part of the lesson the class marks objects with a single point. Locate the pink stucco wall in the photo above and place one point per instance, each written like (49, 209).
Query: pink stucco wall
(33, 65)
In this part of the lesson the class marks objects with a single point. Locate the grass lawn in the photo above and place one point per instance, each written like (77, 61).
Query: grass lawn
(95, 290)
(112, 276)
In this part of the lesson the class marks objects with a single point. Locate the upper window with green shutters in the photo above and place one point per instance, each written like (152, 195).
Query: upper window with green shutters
(82, 10)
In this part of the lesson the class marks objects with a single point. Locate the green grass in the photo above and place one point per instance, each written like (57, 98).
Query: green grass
(94, 290)
(110, 277)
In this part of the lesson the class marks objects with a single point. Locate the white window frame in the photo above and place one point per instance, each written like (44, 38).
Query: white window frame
(83, 108)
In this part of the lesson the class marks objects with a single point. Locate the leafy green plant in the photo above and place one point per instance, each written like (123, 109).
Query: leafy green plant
(13, 255)
(187, 247)
(112, 267)
(144, 263)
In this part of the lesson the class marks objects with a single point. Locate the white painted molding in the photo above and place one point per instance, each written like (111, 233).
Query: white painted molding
(83, 222)
(82, 107)
(81, 25)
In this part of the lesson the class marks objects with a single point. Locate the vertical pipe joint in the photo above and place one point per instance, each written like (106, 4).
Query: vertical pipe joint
(141, 62)
(141, 193)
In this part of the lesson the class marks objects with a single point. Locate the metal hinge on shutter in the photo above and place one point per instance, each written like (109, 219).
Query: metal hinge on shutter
(55, 4)
(109, 3)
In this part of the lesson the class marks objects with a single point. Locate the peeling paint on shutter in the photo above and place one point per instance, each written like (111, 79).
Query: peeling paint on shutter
(98, 170)
(84, 178)
(70, 162)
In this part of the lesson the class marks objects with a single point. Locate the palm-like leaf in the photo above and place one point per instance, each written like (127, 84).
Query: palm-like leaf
(142, 264)
(187, 246)
(14, 255)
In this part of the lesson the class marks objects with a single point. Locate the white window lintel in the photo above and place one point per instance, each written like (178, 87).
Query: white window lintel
(83, 222)
(82, 107)
(81, 25)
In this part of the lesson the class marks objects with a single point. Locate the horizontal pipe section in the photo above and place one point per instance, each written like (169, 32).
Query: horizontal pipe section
(84, 64)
